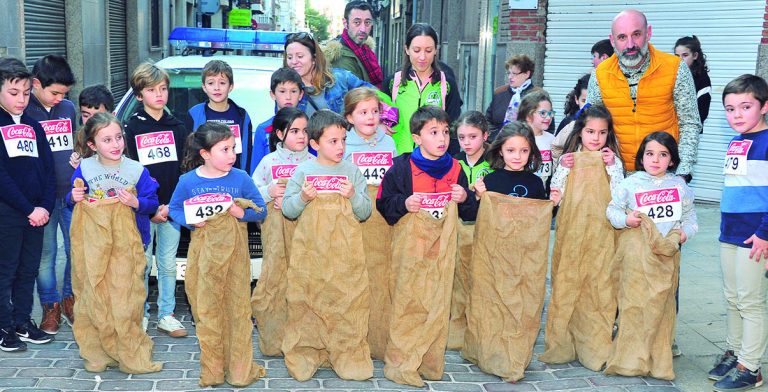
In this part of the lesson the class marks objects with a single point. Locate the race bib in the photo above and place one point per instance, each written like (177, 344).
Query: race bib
(203, 207)
(156, 147)
(238, 142)
(661, 205)
(281, 173)
(736, 157)
(326, 184)
(20, 140)
(373, 165)
(545, 170)
(59, 134)
(434, 203)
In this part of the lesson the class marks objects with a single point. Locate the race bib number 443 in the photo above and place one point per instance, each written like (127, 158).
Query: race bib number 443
(156, 147)
(203, 207)
(736, 157)
(20, 140)
(373, 165)
(661, 205)
(59, 134)
(434, 203)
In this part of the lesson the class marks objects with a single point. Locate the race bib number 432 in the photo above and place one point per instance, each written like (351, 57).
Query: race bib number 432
(156, 147)
(373, 165)
(434, 203)
(59, 134)
(736, 157)
(203, 207)
(20, 140)
(661, 205)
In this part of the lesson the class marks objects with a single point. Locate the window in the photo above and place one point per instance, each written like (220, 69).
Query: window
(155, 33)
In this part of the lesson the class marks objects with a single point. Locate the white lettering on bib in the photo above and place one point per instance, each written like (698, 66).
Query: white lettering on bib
(736, 157)
(238, 142)
(156, 147)
(661, 205)
(281, 173)
(203, 207)
(59, 134)
(434, 203)
(326, 184)
(20, 140)
(373, 165)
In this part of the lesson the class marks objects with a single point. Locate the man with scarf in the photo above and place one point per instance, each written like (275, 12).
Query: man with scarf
(353, 49)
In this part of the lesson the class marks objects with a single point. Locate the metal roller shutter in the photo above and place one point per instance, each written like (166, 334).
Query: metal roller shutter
(729, 32)
(44, 29)
(118, 49)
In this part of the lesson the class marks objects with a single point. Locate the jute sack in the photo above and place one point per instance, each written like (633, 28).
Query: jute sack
(377, 242)
(108, 281)
(268, 300)
(217, 282)
(508, 275)
(327, 293)
(582, 306)
(650, 266)
(461, 286)
(423, 257)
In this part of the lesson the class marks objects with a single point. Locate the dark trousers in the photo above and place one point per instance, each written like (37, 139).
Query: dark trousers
(21, 246)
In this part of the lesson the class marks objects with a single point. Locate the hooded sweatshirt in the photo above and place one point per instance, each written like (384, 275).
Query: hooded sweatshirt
(262, 176)
(379, 142)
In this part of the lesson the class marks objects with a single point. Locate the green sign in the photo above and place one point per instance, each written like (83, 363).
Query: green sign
(239, 17)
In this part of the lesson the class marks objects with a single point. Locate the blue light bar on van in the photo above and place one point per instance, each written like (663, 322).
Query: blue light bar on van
(227, 39)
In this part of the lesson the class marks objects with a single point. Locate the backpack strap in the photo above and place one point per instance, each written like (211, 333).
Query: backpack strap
(443, 88)
(396, 85)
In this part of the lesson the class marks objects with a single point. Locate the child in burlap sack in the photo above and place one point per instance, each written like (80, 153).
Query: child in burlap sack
(649, 257)
(215, 201)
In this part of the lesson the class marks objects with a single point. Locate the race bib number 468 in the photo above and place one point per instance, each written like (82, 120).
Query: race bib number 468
(59, 134)
(434, 203)
(736, 157)
(373, 165)
(203, 207)
(156, 147)
(661, 205)
(20, 140)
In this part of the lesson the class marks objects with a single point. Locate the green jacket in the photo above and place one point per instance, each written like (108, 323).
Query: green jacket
(481, 169)
(340, 56)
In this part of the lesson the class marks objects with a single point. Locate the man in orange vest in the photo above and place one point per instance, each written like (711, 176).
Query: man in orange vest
(646, 90)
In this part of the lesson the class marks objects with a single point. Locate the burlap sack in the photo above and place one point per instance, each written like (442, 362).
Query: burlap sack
(217, 282)
(461, 286)
(423, 259)
(508, 275)
(268, 300)
(377, 242)
(582, 307)
(327, 293)
(650, 266)
(108, 281)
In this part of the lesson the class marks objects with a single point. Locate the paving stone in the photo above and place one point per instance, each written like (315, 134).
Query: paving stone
(69, 363)
(275, 363)
(58, 354)
(655, 381)
(164, 339)
(615, 380)
(109, 374)
(46, 372)
(320, 374)
(181, 365)
(455, 387)
(537, 376)
(159, 348)
(509, 387)
(126, 385)
(18, 382)
(456, 368)
(455, 359)
(186, 348)
(651, 388)
(562, 385)
(347, 384)
(25, 362)
(536, 366)
(475, 377)
(26, 354)
(289, 383)
(387, 384)
(574, 372)
(48, 346)
(8, 372)
(30, 390)
(67, 383)
(170, 357)
(164, 374)
(177, 385)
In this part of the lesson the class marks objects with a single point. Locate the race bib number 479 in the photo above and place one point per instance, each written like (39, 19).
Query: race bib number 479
(434, 203)
(661, 205)
(373, 165)
(203, 207)
(59, 134)
(156, 147)
(736, 157)
(20, 140)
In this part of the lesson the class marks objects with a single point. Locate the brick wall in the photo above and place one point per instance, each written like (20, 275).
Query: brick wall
(523, 25)
(764, 40)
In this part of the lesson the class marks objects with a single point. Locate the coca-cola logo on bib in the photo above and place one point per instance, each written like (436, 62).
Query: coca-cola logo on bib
(235, 128)
(326, 183)
(661, 196)
(155, 139)
(18, 131)
(739, 147)
(283, 171)
(435, 200)
(209, 198)
(372, 158)
(55, 127)
(546, 155)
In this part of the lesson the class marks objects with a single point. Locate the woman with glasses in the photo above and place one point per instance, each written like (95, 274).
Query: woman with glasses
(506, 99)
(324, 87)
(421, 82)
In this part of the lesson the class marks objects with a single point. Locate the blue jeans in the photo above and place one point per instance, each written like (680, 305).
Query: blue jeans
(61, 217)
(167, 237)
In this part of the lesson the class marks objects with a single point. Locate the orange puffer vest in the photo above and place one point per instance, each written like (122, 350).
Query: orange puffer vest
(655, 108)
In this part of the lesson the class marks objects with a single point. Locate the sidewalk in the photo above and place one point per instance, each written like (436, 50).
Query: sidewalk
(701, 334)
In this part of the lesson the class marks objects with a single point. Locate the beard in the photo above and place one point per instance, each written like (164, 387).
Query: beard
(633, 60)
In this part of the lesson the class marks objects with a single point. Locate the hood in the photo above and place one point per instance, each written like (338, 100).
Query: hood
(167, 120)
(333, 48)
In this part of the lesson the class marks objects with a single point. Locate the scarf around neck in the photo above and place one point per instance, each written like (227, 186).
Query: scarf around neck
(514, 103)
(437, 168)
(367, 57)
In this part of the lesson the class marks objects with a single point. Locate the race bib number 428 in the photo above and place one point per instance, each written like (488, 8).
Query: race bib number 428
(156, 147)
(203, 207)
(59, 134)
(20, 140)
(661, 205)
(736, 157)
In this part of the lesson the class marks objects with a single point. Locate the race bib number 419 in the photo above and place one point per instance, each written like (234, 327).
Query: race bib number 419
(20, 140)
(434, 203)
(736, 157)
(661, 205)
(59, 134)
(203, 207)
(156, 147)
(373, 165)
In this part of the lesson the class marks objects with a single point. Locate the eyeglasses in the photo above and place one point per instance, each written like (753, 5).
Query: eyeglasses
(293, 37)
(513, 73)
(546, 113)
(358, 22)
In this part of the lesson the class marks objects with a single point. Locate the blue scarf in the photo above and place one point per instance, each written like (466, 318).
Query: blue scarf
(437, 168)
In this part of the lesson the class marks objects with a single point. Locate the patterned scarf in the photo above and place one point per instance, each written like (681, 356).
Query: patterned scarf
(367, 57)
(514, 103)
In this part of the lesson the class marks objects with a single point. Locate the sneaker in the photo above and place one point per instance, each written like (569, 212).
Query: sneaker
(172, 327)
(29, 332)
(68, 310)
(739, 379)
(145, 323)
(675, 349)
(723, 364)
(51, 318)
(10, 342)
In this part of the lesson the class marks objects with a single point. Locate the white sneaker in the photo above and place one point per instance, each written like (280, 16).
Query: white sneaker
(145, 323)
(172, 327)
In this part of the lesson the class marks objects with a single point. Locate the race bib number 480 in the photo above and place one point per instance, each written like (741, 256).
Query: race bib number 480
(203, 207)
(373, 165)
(156, 147)
(736, 157)
(59, 134)
(20, 140)
(434, 203)
(661, 205)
